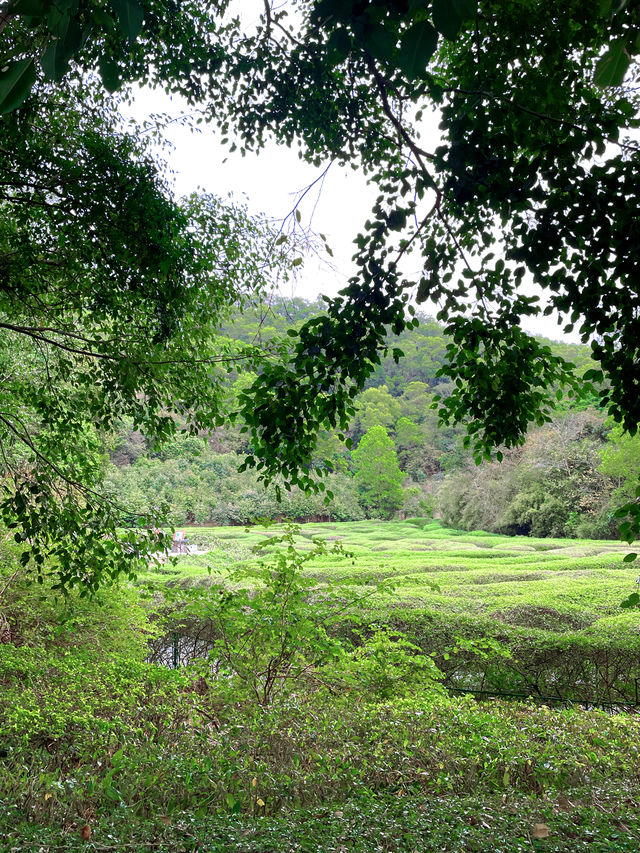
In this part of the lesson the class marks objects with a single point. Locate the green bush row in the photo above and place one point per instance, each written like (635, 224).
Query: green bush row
(601, 664)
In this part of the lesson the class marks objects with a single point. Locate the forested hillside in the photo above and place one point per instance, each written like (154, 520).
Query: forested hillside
(559, 483)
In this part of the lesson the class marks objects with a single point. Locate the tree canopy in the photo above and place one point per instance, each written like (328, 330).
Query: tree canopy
(377, 473)
(111, 294)
(535, 179)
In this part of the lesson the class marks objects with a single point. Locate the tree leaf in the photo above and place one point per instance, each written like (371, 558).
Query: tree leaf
(629, 558)
(446, 18)
(540, 830)
(612, 67)
(593, 375)
(380, 43)
(55, 60)
(417, 46)
(465, 9)
(338, 46)
(16, 83)
(60, 15)
(33, 8)
(130, 17)
(110, 73)
(327, 9)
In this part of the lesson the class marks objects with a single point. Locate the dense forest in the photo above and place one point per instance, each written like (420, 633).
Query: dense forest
(567, 478)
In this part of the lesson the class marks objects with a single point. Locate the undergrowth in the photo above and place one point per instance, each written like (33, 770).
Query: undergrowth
(297, 730)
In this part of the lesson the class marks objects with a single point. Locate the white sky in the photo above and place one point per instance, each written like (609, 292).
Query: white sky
(271, 182)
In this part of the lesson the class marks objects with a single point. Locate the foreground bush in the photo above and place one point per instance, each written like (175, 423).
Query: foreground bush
(82, 736)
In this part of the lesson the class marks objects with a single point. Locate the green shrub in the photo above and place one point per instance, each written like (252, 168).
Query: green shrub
(384, 665)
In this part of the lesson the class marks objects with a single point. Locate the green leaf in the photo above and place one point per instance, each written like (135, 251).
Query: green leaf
(612, 67)
(621, 512)
(629, 558)
(60, 15)
(130, 17)
(34, 8)
(380, 43)
(632, 601)
(112, 793)
(417, 46)
(465, 9)
(332, 9)
(446, 18)
(110, 73)
(16, 83)
(397, 219)
(593, 375)
(55, 60)
(338, 46)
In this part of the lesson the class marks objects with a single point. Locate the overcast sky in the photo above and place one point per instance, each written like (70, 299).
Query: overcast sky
(272, 182)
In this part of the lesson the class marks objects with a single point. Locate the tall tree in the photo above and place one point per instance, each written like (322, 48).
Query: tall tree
(377, 473)
(522, 118)
(535, 178)
(111, 293)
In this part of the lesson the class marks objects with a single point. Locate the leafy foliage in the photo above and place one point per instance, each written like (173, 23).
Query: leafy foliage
(87, 726)
(521, 121)
(109, 300)
(554, 486)
(200, 485)
(123, 40)
(274, 633)
(530, 143)
(553, 604)
(377, 472)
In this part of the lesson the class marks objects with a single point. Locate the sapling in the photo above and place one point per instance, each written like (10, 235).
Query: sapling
(271, 623)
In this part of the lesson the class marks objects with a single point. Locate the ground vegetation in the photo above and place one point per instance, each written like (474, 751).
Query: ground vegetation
(363, 733)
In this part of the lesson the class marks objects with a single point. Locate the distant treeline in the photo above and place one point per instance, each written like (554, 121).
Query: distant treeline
(564, 481)
(424, 348)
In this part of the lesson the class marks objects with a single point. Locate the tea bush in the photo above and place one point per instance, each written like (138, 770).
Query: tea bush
(94, 737)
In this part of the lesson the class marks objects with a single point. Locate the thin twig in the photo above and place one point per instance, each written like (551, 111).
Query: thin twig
(418, 153)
